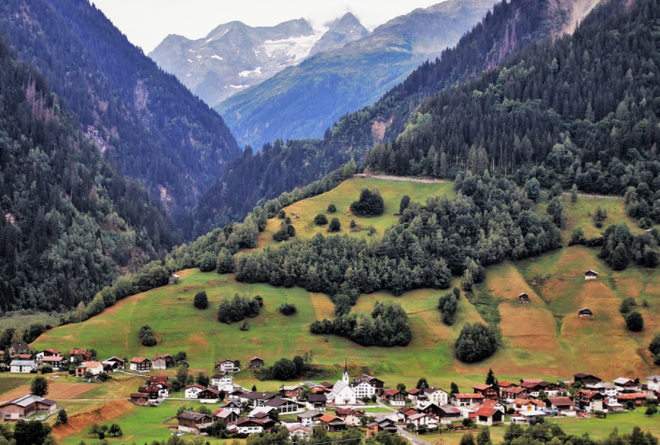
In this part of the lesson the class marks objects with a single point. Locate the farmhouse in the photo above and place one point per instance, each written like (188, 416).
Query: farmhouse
(488, 391)
(332, 423)
(366, 386)
(80, 354)
(94, 368)
(523, 298)
(589, 401)
(585, 313)
(490, 413)
(586, 379)
(57, 363)
(256, 362)
(162, 361)
(226, 365)
(225, 415)
(590, 275)
(316, 402)
(192, 422)
(140, 364)
(208, 395)
(446, 413)
(22, 366)
(467, 399)
(192, 391)
(624, 384)
(563, 405)
(18, 348)
(25, 406)
(394, 397)
(535, 386)
(350, 416)
(113, 364)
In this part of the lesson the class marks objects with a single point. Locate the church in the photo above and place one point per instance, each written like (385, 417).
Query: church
(342, 391)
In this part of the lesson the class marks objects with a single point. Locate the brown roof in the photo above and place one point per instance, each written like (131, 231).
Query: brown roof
(138, 359)
(506, 384)
(560, 401)
(414, 391)
(469, 396)
(391, 392)
(486, 411)
(481, 386)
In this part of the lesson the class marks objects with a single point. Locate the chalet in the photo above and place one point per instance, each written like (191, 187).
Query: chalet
(225, 415)
(140, 364)
(637, 398)
(257, 399)
(80, 354)
(653, 383)
(223, 382)
(18, 348)
(292, 391)
(585, 313)
(233, 405)
(310, 418)
(467, 399)
(247, 426)
(316, 401)
(47, 353)
(413, 394)
(528, 405)
(350, 416)
(523, 298)
(22, 366)
(140, 399)
(226, 365)
(297, 430)
(424, 420)
(535, 386)
(160, 382)
(563, 405)
(488, 391)
(208, 395)
(626, 385)
(590, 275)
(57, 363)
(332, 423)
(437, 395)
(445, 413)
(192, 391)
(193, 423)
(366, 386)
(25, 406)
(405, 412)
(113, 364)
(162, 361)
(386, 425)
(394, 397)
(515, 393)
(158, 379)
(285, 406)
(256, 362)
(586, 379)
(490, 413)
(589, 401)
(151, 391)
(94, 368)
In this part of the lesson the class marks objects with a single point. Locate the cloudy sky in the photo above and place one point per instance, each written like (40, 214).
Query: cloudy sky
(148, 22)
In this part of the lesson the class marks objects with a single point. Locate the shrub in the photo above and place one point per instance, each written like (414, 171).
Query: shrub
(369, 204)
(332, 208)
(320, 219)
(627, 305)
(353, 224)
(147, 337)
(281, 214)
(245, 326)
(654, 347)
(448, 306)
(335, 225)
(238, 309)
(287, 309)
(476, 342)
(404, 203)
(46, 369)
(201, 301)
(635, 321)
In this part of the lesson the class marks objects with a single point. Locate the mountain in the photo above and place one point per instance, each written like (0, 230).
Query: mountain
(144, 120)
(69, 221)
(279, 167)
(235, 56)
(303, 100)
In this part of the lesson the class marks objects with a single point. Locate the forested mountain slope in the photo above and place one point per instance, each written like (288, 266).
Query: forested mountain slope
(260, 176)
(143, 119)
(68, 221)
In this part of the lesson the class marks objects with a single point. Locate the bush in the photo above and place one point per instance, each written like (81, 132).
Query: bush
(201, 301)
(245, 326)
(147, 336)
(281, 214)
(476, 342)
(332, 208)
(335, 225)
(353, 224)
(654, 347)
(62, 417)
(287, 309)
(404, 203)
(320, 219)
(627, 305)
(448, 306)
(46, 369)
(369, 204)
(238, 308)
(635, 321)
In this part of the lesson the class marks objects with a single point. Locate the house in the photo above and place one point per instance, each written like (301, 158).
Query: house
(445, 413)
(297, 430)
(223, 382)
(162, 361)
(57, 363)
(113, 364)
(140, 399)
(589, 401)
(403, 413)
(437, 395)
(528, 405)
(140, 364)
(653, 383)
(394, 397)
(247, 426)
(234, 406)
(488, 391)
(523, 298)
(637, 398)
(624, 384)
(467, 399)
(292, 391)
(350, 416)
(590, 275)
(25, 406)
(563, 405)
(609, 390)
(18, 348)
(285, 406)
(316, 402)
(535, 386)
(80, 354)
(225, 415)
(47, 353)
(193, 423)
(22, 366)
(515, 393)
(585, 313)
(586, 379)
(386, 425)
(173, 279)
(424, 420)
(256, 362)
(151, 391)
(94, 368)
(527, 417)
(413, 394)
(257, 399)
(332, 423)
(192, 391)
(226, 365)
(366, 386)
(310, 418)
(208, 395)
(490, 413)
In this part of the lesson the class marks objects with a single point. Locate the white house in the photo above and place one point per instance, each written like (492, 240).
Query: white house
(366, 386)
(192, 391)
(224, 382)
(248, 426)
(428, 420)
(226, 365)
(22, 366)
(653, 382)
(436, 396)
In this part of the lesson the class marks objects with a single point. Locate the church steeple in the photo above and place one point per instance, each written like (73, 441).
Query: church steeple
(345, 378)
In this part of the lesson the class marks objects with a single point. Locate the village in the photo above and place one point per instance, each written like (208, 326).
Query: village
(337, 406)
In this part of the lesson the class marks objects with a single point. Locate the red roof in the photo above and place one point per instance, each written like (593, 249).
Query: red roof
(560, 401)
(256, 358)
(636, 396)
(469, 396)
(486, 411)
(328, 418)
(196, 385)
(52, 359)
(506, 384)
(52, 351)
(589, 394)
(414, 391)
(24, 356)
(159, 378)
(481, 386)
(161, 356)
(138, 359)
(391, 392)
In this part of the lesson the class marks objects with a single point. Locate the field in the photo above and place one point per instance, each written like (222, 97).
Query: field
(543, 339)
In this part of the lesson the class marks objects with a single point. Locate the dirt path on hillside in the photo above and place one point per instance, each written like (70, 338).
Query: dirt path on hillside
(107, 411)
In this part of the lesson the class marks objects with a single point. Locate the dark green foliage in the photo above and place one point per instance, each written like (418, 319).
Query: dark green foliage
(448, 306)
(62, 417)
(207, 262)
(287, 309)
(225, 262)
(635, 322)
(285, 369)
(490, 377)
(620, 247)
(147, 336)
(245, 326)
(422, 383)
(404, 203)
(281, 214)
(332, 208)
(353, 224)
(453, 389)
(39, 386)
(483, 438)
(387, 326)
(369, 204)
(654, 346)
(467, 438)
(627, 305)
(476, 342)
(202, 379)
(577, 237)
(201, 300)
(34, 331)
(238, 309)
(287, 230)
(320, 219)
(46, 369)
(32, 432)
(115, 430)
(335, 225)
